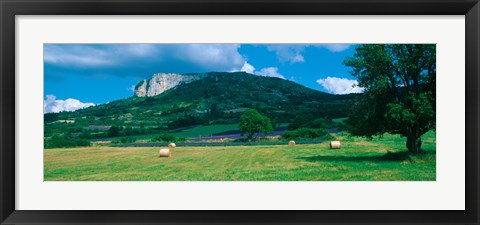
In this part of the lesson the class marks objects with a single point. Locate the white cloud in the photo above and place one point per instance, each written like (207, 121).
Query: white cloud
(51, 104)
(288, 53)
(266, 72)
(336, 47)
(137, 49)
(87, 55)
(112, 58)
(337, 85)
(270, 72)
(293, 52)
(222, 56)
(247, 68)
(142, 60)
(131, 88)
(298, 58)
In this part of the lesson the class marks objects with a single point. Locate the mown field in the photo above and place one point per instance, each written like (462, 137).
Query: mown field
(359, 159)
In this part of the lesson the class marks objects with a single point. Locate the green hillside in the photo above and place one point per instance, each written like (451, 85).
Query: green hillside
(218, 98)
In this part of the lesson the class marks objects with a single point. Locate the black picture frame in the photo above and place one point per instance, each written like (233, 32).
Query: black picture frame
(10, 8)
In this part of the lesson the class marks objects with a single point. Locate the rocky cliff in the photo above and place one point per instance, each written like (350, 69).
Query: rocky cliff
(161, 82)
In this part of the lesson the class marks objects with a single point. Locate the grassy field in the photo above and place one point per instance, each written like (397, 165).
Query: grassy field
(358, 159)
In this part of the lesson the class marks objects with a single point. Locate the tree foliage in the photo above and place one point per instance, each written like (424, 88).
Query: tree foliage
(399, 91)
(114, 131)
(252, 122)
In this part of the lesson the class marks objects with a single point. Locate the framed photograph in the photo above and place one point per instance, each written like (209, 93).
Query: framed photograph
(251, 112)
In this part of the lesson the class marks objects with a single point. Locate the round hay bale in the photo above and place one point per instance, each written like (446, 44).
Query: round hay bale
(172, 145)
(165, 152)
(291, 143)
(335, 144)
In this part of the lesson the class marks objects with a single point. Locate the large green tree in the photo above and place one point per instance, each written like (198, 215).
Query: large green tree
(252, 122)
(399, 91)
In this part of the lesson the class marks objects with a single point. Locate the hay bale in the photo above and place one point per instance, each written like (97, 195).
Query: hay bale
(291, 143)
(172, 145)
(335, 144)
(165, 152)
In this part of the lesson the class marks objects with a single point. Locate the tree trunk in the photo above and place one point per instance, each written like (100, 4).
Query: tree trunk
(414, 143)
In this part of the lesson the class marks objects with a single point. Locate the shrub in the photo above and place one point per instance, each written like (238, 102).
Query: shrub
(242, 140)
(64, 142)
(164, 137)
(306, 134)
(127, 140)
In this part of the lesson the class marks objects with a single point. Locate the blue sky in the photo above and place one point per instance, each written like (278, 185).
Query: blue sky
(80, 75)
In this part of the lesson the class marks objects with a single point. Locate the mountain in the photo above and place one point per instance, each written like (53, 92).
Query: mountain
(161, 82)
(172, 101)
